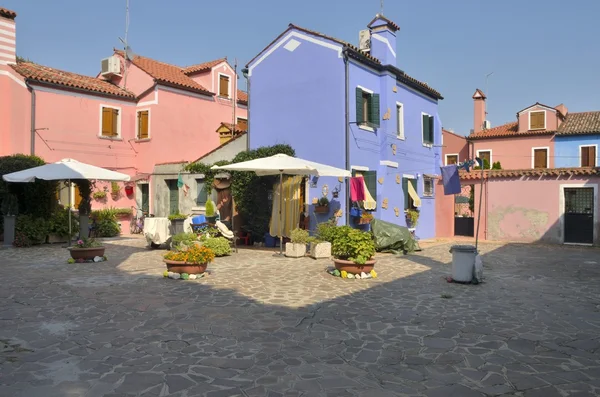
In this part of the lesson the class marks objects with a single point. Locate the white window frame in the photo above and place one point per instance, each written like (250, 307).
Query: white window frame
(429, 145)
(491, 156)
(533, 149)
(112, 138)
(228, 85)
(137, 120)
(432, 187)
(590, 145)
(545, 120)
(362, 126)
(400, 121)
(451, 154)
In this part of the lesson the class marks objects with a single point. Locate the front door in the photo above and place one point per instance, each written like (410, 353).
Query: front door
(579, 215)
(173, 196)
(145, 188)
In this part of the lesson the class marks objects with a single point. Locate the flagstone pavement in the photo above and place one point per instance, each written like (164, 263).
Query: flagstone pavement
(265, 326)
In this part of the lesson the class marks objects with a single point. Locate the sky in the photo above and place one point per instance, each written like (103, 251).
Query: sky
(545, 51)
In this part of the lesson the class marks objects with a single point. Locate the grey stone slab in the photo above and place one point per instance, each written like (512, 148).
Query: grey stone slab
(453, 391)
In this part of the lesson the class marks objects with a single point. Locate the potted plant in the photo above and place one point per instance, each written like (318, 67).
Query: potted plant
(115, 189)
(99, 195)
(320, 245)
(58, 226)
(177, 223)
(322, 206)
(412, 217)
(210, 211)
(10, 208)
(191, 260)
(87, 249)
(297, 247)
(219, 245)
(353, 250)
(365, 218)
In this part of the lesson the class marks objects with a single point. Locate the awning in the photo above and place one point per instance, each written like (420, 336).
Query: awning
(413, 194)
(369, 203)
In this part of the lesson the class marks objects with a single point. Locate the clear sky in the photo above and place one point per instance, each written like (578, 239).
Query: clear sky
(544, 51)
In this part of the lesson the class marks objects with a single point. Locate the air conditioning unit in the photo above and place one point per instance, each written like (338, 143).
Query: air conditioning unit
(364, 40)
(111, 66)
(487, 125)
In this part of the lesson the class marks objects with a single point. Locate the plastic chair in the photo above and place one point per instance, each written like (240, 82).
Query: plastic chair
(243, 236)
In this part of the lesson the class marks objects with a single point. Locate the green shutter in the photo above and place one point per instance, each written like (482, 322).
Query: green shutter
(359, 106)
(371, 182)
(431, 126)
(202, 196)
(425, 128)
(145, 188)
(405, 192)
(173, 196)
(374, 117)
(414, 183)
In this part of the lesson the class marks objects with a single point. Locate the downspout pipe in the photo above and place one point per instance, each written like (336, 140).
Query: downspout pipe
(33, 101)
(347, 130)
(247, 77)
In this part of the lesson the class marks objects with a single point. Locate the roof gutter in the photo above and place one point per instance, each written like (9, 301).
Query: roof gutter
(32, 122)
(347, 128)
(81, 90)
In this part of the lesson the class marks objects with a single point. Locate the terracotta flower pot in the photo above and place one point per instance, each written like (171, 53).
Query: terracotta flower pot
(86, 253)
(183, 267)
(354, 268)
(321, 209)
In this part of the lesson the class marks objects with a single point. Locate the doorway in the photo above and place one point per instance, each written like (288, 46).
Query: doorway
(579, 215)
(464, 204)
(145, 192)
(173, 196)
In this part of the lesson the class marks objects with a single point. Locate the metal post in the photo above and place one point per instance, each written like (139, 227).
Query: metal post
(479, 210)
(70, 231)
(280, 208)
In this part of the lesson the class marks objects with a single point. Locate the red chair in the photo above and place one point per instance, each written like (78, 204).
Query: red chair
(243, 236)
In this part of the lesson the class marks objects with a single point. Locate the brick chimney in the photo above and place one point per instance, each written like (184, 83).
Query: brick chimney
(8, 28)
(479, 110)
(383, 39)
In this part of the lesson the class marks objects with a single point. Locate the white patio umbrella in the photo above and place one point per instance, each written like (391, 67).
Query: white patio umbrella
(65, 169)
(280, 164)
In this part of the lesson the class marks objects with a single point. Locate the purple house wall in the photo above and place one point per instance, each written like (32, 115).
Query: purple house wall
(298, 97)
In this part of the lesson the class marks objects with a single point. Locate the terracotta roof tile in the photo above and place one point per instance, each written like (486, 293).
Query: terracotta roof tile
(203, 67)
(580, 123)
(509, 130)
(6, 13)
(389, 22)
(587, 171)
(44, 74)
(167, 74)
(242, 97)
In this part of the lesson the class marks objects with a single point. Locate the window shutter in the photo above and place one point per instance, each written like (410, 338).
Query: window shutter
(242, 124)
(107, 121)
(374, 117)
(115, 121)
(425, 128)
(537, 120)
(143, 124)
(431, 125)
(224, 86)
(371, 182)
(359, 106)
(405, 192)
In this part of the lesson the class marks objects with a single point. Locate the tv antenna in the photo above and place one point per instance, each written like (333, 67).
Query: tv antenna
(129, 55)
(487, 76)
(381, 12)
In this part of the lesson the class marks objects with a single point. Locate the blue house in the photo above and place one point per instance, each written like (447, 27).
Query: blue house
(350, 107)
(576, 141)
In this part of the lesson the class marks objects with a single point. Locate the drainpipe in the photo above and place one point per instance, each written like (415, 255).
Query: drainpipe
(347, 127)
(245, 73)
(32, 91)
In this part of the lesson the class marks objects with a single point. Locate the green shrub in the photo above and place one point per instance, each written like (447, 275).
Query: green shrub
(326, 231)
(210, 208)
(59, 223)
(33, 230)
(183, 238)
(219, 245)
(299, 236)
(176, 216)
(353, 245)
(324, 202)
(107, 228)
(10, 205)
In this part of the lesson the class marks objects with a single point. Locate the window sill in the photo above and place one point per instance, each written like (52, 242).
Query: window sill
(366, 128)
(427, 197)
(428, 145)
(224, 97)
(111, 138)
(400, 138)
(143, 140)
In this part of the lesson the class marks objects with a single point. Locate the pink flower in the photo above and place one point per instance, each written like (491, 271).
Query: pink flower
(79, 242)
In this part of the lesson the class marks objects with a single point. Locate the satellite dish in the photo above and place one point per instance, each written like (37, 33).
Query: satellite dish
(129, 54)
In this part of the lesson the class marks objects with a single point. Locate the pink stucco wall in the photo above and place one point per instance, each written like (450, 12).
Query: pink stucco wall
(15, 105)
(516, 153)
(454, 144)
(551, 119)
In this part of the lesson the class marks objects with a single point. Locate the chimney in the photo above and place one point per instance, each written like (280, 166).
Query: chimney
(479, 110)
(8, 28)
(383, 39)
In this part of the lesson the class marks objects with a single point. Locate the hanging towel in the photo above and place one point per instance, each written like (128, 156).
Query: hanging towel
(180, 181)
(369, 203)
(450, 179)
(357, 188)
(413, 194)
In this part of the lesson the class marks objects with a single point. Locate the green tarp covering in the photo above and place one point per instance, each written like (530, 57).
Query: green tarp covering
(393, 238)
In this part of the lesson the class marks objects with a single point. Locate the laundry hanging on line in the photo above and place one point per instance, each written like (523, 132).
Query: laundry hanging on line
(357, 189)
(450, 179)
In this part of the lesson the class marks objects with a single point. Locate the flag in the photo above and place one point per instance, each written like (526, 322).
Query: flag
(180, 181)
(186, 189)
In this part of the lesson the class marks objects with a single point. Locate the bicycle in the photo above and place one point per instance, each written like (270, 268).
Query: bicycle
(137, 223)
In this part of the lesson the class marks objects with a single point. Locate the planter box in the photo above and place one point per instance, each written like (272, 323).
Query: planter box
(293, 250)
(86, 253)
(321, 209)
(352, 267)
(177, 226)
(9, 229)
(320, 250)
(182, 267)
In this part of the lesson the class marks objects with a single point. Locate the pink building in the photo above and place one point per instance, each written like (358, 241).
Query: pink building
(455, 148)
(136, 113)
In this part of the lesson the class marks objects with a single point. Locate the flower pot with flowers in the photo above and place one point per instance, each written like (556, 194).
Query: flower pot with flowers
(365, 218)
(87, 249)
(412, 217)
(193, 259)
(353, 250)
(297, 247)
(322, 206)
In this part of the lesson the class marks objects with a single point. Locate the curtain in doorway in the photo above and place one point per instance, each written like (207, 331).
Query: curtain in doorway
(290, 213)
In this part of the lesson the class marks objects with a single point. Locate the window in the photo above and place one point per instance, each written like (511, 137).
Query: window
(537, 120)
(242, 124)
(588, 156)
(367, 108)
(409, 203)
(540, 157)
(110, 122)
(428, 125)
(202, 195)
(400, 120)
(370, 180)
(427, 186)
(142, 124)
(223, 86)
(451, 159)
(486, 157)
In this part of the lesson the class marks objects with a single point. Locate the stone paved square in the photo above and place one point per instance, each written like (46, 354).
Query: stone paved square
(265, 326)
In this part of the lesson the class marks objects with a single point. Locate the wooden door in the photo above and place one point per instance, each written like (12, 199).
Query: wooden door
(173, 196)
